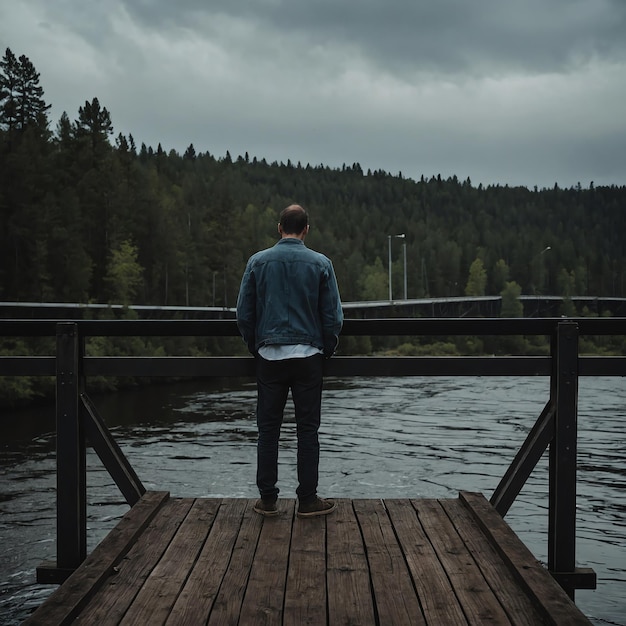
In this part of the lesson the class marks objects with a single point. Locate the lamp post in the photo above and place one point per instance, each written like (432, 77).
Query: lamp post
(404, 251)
(390, 237)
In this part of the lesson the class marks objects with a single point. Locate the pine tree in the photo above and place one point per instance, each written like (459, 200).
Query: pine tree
(9, 69)
(92, 128)
(95, 184)
(32, 109)
(21, 96)
(25, 181)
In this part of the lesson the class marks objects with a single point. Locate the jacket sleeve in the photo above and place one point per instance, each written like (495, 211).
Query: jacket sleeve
(246, 309)
(330, 311)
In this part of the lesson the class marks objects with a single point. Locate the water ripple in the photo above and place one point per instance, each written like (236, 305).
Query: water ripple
(380, 437)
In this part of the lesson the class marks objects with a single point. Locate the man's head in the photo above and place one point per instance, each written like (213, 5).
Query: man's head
(294, 222)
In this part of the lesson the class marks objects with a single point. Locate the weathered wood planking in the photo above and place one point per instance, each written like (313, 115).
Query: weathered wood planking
(371, 562)
(112, 601)
(200, 591)
(347, 572)
(71, 597)
(394, 595)
(477, 599)
(519, 608)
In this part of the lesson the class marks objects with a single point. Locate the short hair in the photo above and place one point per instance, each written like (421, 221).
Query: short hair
(293, 220)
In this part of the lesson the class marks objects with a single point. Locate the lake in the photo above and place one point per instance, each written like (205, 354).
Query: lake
(381, 437)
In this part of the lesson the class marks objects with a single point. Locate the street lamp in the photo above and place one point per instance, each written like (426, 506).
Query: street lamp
(404, 251)
(390, 237)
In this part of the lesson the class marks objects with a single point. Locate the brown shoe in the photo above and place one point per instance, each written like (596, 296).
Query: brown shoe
(315, 508)
(266, 507)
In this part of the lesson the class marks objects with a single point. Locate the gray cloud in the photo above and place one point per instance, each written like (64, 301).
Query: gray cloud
(449, 36)
(503, 92)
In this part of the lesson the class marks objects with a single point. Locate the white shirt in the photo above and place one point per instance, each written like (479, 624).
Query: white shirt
(280, 352)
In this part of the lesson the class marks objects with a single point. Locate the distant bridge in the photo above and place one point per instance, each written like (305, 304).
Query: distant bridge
(480, 306)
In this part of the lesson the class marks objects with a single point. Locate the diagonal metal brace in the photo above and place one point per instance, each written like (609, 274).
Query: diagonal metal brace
(110, 454)
(525, 460)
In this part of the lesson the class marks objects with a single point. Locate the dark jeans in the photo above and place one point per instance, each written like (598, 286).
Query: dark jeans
(274, 379)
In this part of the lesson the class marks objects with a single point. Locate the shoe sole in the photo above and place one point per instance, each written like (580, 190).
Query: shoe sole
(266, 513)
(318, 513)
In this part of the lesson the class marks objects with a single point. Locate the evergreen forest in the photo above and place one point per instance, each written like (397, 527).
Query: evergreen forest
(87, 215)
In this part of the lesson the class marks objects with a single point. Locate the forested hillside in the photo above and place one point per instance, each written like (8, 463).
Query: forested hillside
(87, 215)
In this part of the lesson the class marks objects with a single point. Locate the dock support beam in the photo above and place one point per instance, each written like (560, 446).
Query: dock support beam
(562, 459)
(556, 427)
(71, 459)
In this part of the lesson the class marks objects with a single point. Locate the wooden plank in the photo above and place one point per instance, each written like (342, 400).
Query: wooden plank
(349, 595)
(28, 365)
(71, 475)
(264, 597)
(370, 562)
(196, 599)
(305, 593)
(227, 605)
(475, 596)
(69, 599)
(154, 601)
(516, 603)
(439, 603)
(395, 598)
(116, 595)
(551, 600)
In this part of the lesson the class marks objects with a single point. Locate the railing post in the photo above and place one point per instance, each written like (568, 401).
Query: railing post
(562, 462)
(71, 457)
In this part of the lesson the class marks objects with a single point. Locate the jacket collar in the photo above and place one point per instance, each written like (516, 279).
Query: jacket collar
(290, 241)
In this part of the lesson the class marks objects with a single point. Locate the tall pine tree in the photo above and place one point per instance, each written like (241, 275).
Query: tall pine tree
(25, 180)
(21, 96)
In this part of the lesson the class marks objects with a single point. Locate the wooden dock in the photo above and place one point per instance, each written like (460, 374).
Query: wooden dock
(371, 562)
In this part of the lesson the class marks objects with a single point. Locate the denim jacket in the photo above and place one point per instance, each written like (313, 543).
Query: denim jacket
(289, 295)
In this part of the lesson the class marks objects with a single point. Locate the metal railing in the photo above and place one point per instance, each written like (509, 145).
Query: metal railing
(77, 419)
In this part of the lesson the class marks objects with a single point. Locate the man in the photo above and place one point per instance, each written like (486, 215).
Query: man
(289, 314)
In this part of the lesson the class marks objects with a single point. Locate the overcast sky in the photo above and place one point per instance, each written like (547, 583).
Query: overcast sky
(517, 92)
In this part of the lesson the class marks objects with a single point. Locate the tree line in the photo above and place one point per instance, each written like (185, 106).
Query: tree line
(86, 215)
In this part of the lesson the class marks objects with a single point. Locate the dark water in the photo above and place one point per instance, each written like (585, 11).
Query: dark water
(400, 437)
